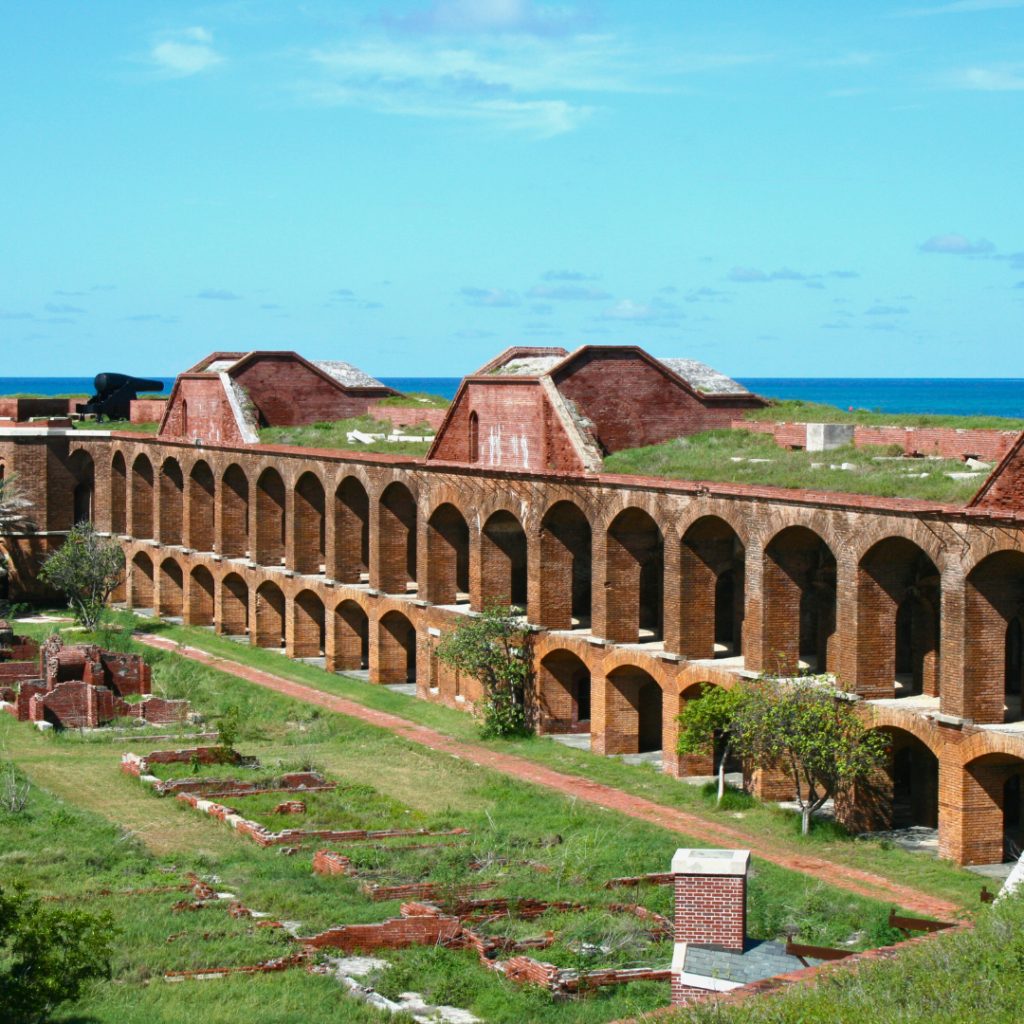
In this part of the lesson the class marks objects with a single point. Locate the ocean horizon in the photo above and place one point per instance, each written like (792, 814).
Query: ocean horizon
(961, 396)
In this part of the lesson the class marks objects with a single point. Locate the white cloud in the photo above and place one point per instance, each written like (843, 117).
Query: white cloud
(960, 7)
(497, 297)
(186, 53)
(627, 309)
(1000, 79)
(956, 245)
(490, 16)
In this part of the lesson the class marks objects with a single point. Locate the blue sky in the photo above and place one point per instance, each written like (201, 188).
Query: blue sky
(778, 189)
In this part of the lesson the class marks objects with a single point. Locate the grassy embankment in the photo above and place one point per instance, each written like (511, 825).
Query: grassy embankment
(793, 410)
(90, 827)
(416, 400)
(744, 457)
(762, 824)
(334, 435)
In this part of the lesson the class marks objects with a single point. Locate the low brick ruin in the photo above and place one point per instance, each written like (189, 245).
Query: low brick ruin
(80, 686)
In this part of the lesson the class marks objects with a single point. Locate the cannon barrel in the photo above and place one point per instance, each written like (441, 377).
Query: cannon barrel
(108, 383)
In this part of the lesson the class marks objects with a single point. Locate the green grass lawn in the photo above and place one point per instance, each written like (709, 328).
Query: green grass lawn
(334, 435)
(726, 456)
(139, 428)
(793, 410)
(90, 826)
(417, 399)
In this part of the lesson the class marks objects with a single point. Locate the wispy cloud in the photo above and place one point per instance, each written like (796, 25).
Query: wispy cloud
(181, 54)
(959, 7)
(63, 307)
(627, 309)
(474, 17)
(1002, 78)
(217, 293)
(956, 245)
(566, 292)
(530, 83)
(6, 314)
(886, 311)
(489, 297)
(568, 275)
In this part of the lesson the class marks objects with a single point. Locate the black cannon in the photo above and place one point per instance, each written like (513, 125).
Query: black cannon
(114, 394)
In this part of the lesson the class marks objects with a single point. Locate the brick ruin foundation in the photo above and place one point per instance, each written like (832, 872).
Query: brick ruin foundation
(642, 590)
(81, 686)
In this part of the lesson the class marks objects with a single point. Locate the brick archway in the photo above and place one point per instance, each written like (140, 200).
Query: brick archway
(200, 597)
(118, 494)
(349, 556)
(234, 513)
(563, 693)
(141, 525)
(308, 626)
(233, 619)
(395, 564)
(632, 594)
(396, 649)
(309, 526)
(83, 496)
(201, 502)
(566, 572)
(171, 506)
(171, 590)
(351, 627)
(447, 555)
(270, 612)
(140, 582)
(629, 712)
(503, 568)
(270, 523)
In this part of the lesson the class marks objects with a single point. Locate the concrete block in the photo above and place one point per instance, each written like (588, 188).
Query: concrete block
(823, 437)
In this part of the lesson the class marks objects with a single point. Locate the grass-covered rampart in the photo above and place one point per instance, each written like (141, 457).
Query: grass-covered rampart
(417, 400)
(746, 457)
(794, 410)
(334, 434)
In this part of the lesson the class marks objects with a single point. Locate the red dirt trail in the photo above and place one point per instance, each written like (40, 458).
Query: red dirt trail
(864, 883)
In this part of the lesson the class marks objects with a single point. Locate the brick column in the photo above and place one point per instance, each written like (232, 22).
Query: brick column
(292, 526)
(671, 705)
(971, 811)
(677, 600)
(711, 909)
(754, 652)
(534, 603)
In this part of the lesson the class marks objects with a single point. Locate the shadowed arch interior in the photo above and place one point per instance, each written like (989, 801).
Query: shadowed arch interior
(633, 709)
(564, 693)
(200, 597)
(270, 518)
(503, 558)
(234, 606)
(634, 579)
(350, 557)
(83, 473)
(234, 513)
(799, 601)
(270, 606)
(172, 502)
(141, 525)
(351, 637)
(396, 562)
(172, 589)
(566, 574)
(309, 525)
(397, 656)
(140, 582)
(200, 506)
(308, 633)
(447, 555)
(118, 494)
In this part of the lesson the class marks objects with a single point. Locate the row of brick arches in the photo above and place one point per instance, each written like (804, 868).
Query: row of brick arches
(626, 584)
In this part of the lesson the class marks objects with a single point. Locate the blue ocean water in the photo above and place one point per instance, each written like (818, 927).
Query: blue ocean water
(952, 396)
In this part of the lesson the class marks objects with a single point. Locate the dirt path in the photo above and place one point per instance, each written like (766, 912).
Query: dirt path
(863, 883)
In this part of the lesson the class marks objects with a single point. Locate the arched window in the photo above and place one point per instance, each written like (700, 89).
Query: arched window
(474, 437)
(184, 418)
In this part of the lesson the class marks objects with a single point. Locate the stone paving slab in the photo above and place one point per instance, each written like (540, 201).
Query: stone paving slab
(864, 883)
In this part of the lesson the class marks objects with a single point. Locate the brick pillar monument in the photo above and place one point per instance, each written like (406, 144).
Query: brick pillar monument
(711, 911)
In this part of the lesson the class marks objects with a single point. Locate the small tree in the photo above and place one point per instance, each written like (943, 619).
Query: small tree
(87, 569)
(813, 731)
(494, 648)
(48, 953)
(704, 720)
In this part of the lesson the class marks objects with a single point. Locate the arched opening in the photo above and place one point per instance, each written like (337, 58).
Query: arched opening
(118, 494)
(564, 693)
(447, 556)
(172, 502)
(994, 611)
(903, 792)
(474, 437)
(184, 417)
(172, 589)
(633, 712)
(142, 498)
(269, 616)
(351, 555)
(270, 518)
(84, 474)
(799, 602)
(351, 637)
(200, 507)
(309, 525)
(502, 562)
(898, 629)
(711, 568)
(566, 579)
(1014, 661)
(234, 606)
(234, 513)
(397, 658)
(309, 640)
(140, 583)
(634, 576)
(396, 567)
(200, 597)
(1013, 840)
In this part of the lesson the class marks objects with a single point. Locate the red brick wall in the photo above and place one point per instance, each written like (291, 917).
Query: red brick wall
(633, 403)
(22, 409)
(147, 410)
(402, 416)
(517, 428)
(288, 393)
(711, 910)
(209, 413)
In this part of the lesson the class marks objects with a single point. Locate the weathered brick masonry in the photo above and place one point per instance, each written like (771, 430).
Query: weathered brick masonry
(643, 590)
